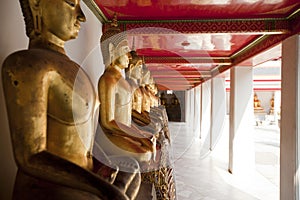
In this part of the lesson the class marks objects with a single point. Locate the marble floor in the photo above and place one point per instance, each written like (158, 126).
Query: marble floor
(203, 175)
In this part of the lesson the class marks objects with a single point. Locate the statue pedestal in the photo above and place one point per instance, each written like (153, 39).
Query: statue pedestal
(259, 116)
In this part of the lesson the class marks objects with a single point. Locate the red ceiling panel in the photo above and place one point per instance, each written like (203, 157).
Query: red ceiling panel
(196, 9)
(189, 45)
(185, 42)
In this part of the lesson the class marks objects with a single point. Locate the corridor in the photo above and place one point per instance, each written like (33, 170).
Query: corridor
(202, 174)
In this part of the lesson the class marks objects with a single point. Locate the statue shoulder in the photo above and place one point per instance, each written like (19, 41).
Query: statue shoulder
(33, 62)
(109, 77)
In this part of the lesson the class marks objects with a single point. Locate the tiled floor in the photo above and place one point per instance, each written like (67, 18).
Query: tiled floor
(201, 176)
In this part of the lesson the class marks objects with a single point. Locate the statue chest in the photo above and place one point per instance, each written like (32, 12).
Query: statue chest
(123, 102)
(137, 100)
(71, 96)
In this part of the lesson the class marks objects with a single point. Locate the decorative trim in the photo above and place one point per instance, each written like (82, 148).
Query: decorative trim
(295, 22)
(96, 10)
(295, 13)
(256, 47)
(187, 60)
(266, 42)
(258, 26)
(220, 69)
(249, 46)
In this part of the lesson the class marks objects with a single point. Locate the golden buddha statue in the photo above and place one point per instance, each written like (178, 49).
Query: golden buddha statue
(51, 103)
(119, 135)
(149, 101)
(153, 93)
(133, 76)
(157, 113)
(143, 103)
(271, 112)
(164, 178)
(256, 104)
(146, 103)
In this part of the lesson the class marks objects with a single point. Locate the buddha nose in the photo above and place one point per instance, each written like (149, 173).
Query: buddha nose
(129, 55)
(81, 16)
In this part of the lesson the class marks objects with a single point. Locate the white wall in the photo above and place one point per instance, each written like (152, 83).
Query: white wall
(84, 50)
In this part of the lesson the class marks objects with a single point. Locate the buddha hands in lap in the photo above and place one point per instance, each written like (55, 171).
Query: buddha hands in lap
(116, 101)
(51, 104)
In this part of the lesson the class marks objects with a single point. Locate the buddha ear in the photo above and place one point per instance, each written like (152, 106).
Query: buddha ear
(111, 50)
(37, 15)
(130, 66)
(34, 3)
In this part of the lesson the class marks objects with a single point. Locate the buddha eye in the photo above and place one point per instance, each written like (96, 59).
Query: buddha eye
(71, 3)
(126, 49)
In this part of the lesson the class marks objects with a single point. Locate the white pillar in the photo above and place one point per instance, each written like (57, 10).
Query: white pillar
(218, 109)
(197, 103)
(241, 144)
(289, 140)
(189, 99)
(192, 108)
(201, 110)
(205, 116)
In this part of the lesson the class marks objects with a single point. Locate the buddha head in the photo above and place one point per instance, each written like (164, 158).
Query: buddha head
(146, 76)
(152, 86)
(134, 70)
(114, 46)
(55, 21)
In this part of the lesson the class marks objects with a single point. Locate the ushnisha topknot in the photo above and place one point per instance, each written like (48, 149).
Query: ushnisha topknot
(135, 58)
(28, 18)
(114, 35)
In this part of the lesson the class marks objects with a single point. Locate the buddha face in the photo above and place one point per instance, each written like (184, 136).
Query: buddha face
(121, 53)
(146, 77)
(153, 88)
(136, 71)
(61, 18)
